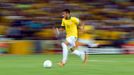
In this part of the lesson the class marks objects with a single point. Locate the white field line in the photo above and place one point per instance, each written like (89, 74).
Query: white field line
(110, 60)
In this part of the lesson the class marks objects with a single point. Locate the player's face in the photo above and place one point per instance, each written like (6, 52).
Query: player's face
(64, 14)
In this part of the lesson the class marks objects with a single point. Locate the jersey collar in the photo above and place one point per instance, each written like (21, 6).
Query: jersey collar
(68, 18)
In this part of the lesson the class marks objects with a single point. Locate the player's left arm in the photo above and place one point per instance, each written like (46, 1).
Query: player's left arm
(78, 22)
(81, 25)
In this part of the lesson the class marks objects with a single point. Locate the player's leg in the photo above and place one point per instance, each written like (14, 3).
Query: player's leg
(91, 43)
(64, 54)
(81, 53)
(70, 42)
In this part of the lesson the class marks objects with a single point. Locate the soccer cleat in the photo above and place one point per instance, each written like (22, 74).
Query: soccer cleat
(61, 64)
(85, 58)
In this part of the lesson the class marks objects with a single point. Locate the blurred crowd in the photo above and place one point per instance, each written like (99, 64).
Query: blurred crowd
(113, 20)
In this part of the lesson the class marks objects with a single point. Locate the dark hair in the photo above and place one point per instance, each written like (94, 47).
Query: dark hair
(66, 10)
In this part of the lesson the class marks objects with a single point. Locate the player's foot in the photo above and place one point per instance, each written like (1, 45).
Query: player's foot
(61, 64)
(85, 58)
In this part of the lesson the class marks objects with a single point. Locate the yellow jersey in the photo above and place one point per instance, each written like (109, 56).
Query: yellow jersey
(71, 26)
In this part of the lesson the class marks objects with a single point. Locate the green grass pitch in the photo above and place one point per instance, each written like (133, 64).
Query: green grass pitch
(97, 65)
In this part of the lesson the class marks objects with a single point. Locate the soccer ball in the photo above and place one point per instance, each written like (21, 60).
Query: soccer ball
(47, 64)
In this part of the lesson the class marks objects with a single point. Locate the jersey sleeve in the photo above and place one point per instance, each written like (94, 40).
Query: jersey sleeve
(62, 23)
(76, 20)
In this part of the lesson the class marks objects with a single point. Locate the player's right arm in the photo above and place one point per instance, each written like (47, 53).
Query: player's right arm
(60, 28)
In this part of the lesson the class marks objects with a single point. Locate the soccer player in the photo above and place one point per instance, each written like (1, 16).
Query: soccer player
(70, 24)
(86, 36)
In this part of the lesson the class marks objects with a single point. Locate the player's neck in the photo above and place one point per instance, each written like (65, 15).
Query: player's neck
(68, 17)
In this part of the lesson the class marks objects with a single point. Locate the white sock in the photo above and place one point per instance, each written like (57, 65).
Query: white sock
(81, 54)
(65, 53)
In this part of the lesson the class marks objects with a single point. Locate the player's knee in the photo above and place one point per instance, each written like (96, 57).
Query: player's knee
(63, 44)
